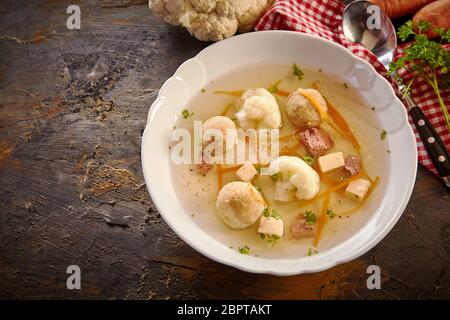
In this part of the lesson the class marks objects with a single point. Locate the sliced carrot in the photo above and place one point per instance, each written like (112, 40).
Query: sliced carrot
(322, 220)
(325, 178)
(282, 93)
(227, 108)
(340, 122)
(314, 102)
(236, 93)
(228, 169)
(219, 176)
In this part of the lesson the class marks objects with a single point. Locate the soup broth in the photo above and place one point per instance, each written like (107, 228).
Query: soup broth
(198, 193)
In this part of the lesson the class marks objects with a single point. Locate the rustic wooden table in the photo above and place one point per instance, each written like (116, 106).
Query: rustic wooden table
(73, 105)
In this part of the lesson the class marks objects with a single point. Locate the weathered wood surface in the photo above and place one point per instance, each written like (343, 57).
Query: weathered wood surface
(73, 105)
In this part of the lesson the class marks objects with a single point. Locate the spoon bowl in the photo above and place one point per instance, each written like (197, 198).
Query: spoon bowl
(366, 24)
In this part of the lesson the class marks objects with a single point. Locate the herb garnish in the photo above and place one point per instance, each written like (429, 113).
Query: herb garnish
(275, 177)
(244, 250)
(383, 134)
(186, 114)
(274, 214)
(310, 217)
(425, 59)
(274, 88)
(311, 252)
(297, 72)
(308, 159)
(331, 213)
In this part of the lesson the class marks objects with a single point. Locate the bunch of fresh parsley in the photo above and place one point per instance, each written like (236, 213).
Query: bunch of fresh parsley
(426, 59)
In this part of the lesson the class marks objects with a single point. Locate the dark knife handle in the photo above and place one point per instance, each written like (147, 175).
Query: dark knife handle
(435, 147)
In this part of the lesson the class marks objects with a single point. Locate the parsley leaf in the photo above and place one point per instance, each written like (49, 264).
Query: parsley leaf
(274, 214)
(310, 217)
(425, 59)
(274, 88)
(275, 177)
(311, 252)
(186, 114)
(383, 135)
(244, 250)
(297, 72)
(308, 159)
(331, 213)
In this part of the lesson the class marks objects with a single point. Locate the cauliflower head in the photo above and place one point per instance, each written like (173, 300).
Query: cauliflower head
(294, 178)
(258, 109)
(211, 20)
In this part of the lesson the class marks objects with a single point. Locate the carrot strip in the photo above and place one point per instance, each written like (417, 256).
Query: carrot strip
(314, 102)
(227, 108)
(322, 219)
(288, 137)
(323, 177)
(219, 176)
(282, 93)
(291, 153)
(340, 122)
(236, 93)
(228, 169)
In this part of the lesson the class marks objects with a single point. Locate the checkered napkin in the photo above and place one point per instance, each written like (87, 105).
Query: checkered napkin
(323, 18)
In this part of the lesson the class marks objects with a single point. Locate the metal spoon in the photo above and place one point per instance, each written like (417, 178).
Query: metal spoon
(382, 42)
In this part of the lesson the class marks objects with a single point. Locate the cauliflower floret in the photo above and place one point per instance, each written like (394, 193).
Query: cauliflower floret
(258, 109)
(211, 20)
(301, 112)
(239, 204)
(294, 178)
(211, 26)
(203, 6)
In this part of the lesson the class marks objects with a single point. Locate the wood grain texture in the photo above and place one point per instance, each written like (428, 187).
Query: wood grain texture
(73, 106)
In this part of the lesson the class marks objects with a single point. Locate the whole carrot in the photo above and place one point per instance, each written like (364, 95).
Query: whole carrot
(400, 8)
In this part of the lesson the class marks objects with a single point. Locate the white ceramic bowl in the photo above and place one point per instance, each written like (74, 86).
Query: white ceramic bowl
(311, 53)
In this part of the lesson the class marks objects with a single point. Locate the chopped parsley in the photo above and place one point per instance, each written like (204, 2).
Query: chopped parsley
(203, 90)
(244, 250)
(186, 114)
(258, 188)
(311, 252)
(275, 177)
(310, 217)
(383, 134)
(331, 213)
(296, 71)
(269, 238)
(274, 88)
(345, 85)
(424, 59)
(308, 159)
(274, 214)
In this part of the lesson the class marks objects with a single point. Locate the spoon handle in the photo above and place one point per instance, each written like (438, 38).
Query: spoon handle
(435, 147)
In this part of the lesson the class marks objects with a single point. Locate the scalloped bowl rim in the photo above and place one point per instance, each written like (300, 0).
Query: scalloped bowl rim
(319, 262)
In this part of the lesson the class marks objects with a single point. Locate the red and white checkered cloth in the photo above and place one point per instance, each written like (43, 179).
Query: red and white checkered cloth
(323, 18)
